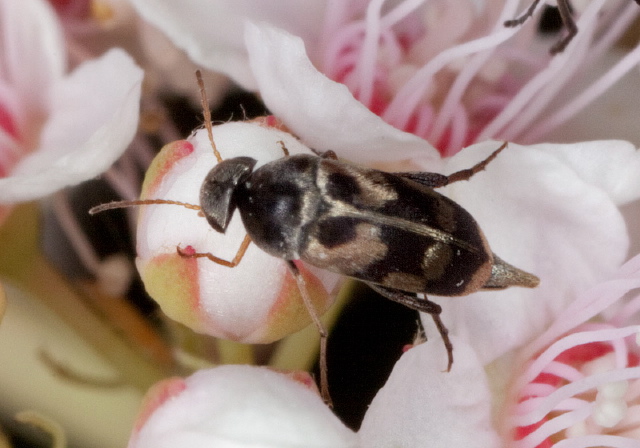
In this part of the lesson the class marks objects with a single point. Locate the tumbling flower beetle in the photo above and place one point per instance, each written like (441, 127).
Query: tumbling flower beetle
(390, 230)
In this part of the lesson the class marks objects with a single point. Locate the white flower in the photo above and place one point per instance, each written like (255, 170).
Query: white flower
(58, 129)
(576, 390)
(447, 71)
(553, 210)
(238, 406)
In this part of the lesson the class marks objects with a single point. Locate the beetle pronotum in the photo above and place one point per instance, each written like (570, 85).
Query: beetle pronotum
(390, 230)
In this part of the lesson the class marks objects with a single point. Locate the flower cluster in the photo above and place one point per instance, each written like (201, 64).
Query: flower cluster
(58, 129)
(395, 85)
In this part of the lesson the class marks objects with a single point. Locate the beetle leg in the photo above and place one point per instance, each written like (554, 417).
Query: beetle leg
(520, 20)
(302, 286)
(436, 180)
(285, 150)
(565, 14)
(569, 23)
(418, 304)
(230, 264)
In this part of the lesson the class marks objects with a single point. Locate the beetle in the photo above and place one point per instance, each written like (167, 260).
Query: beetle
(392, 231)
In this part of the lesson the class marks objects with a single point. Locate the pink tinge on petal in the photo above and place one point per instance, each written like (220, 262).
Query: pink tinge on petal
(270, 121)
(156, 396)
(289, 307)
(240, 406)
(166, 159)
(7, 122)
(304, 378)
(78, 9)
(173, 281)
(9, 152)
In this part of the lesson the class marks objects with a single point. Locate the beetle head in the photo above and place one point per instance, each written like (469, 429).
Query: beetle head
(216, 193)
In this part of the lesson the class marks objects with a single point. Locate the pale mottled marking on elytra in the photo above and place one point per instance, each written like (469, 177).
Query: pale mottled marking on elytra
(365, 249)
(343, 210)
(404, 281)
(374, 190)
(435, 260)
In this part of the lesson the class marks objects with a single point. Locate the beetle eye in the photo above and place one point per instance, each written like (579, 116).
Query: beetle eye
(216, 193)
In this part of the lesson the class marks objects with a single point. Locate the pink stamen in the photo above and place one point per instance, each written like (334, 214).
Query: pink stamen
(566, 343)
(406, 99)
(617, 27)
(584, 383)
(545, 405)
(459, 132)
(424, 120)
(563, 371)
(365, 68)
(374, 54)
(464, 79)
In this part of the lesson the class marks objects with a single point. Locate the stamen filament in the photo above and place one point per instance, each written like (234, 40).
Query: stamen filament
(464, 78)
(407, 99)
(545, 405)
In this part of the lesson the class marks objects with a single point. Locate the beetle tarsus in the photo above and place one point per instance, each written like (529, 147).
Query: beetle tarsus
(523, 18)
(437, 180)
(230, 264)
(480, 166)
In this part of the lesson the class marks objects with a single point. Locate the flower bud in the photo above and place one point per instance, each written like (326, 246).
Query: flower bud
(258, 300)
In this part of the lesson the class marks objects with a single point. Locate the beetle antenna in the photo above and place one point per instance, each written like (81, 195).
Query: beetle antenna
(125, 204)
(207, 114)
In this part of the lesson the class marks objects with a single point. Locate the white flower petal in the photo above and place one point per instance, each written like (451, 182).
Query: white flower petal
(212, 32)
(323, 113)
(547, 209)
(421, 406)
(243, 406)
(32, 50)
(94, 117)
(611, 165)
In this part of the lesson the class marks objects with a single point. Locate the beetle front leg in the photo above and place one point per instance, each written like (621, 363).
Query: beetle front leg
(230, 264)
(423, 305)
(436, 180)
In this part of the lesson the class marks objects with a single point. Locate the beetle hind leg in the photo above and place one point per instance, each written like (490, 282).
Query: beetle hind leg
(424, 305)
(436, 180)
